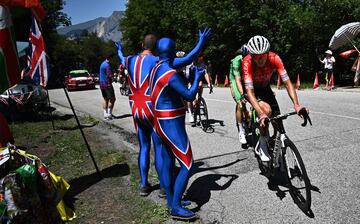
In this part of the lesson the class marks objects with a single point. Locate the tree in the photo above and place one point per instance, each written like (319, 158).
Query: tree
(295, 28)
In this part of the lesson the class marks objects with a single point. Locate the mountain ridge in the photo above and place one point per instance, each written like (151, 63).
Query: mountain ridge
(106, 28)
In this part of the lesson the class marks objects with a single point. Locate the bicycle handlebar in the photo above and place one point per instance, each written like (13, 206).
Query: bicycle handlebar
(303, 112)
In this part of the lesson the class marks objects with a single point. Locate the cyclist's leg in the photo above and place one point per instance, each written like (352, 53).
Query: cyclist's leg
(238, 112)
(275, 109)
(190, 111)
(196, 103)
(262, 149)
(200, 90)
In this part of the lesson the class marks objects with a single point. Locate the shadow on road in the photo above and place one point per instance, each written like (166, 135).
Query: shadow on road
(122, 116)
(278, 180)
(213, 121)
(82, 183)
(200, 189)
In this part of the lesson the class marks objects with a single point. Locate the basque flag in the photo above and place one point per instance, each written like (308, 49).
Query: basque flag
(39, 60)
(9, 63)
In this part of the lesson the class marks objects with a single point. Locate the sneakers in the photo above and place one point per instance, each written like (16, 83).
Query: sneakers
(261, 150)
(242, 138)
(108, 117)
(145, 191)
(162, 193)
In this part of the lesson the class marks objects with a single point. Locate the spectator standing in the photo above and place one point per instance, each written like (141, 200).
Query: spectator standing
(106, 88)
(328, 62)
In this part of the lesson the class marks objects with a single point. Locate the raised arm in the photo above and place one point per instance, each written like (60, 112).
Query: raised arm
(204, 36)
(120, 53)
(178, 85)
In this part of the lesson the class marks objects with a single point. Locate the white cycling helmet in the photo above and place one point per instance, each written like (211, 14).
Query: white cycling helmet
(180, 54)
(258, 45)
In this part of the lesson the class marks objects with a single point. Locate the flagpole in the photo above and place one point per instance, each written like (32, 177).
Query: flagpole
(82, 133)
(49, 109)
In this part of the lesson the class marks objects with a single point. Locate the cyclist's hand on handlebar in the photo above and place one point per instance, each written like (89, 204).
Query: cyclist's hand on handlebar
(210, 88)
(304, 113)
(263, 120)
(243, 99)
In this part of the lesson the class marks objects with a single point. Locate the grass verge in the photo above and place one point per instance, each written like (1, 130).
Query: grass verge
(112, 199)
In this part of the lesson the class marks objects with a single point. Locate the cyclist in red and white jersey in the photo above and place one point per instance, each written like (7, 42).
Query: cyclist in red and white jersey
(258, 67)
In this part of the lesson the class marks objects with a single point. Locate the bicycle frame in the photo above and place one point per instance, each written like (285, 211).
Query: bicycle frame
(280, 137)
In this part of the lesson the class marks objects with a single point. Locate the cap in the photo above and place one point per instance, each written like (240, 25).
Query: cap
(328, 52)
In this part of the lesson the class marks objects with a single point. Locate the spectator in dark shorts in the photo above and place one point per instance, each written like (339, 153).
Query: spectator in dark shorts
(106, 88)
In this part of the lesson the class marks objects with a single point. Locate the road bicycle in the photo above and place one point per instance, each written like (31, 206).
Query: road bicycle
(284, 156)
(200, 112)
(124, 86)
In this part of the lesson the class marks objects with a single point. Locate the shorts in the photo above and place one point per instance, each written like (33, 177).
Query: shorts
(108, 93)
(237, 95)
(267, 95)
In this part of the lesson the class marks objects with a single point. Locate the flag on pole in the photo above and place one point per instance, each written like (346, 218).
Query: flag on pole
(316, 82)
(39, 63)
(9, 62)
(298, 82)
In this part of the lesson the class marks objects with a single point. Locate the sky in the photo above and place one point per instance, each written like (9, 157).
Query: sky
(85, 10)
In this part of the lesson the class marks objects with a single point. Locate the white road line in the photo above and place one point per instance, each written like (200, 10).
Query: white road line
(335, 115)
(311, 111)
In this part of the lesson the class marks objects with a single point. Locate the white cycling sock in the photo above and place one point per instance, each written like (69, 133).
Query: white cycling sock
(241, 128)
(110, 111)
(105, 112)
(189, 110)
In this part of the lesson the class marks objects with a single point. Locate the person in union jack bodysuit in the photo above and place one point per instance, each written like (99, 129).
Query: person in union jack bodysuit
(168, 91)
(139, 67)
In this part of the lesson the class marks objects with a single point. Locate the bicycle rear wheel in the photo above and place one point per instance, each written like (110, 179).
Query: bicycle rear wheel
(300, 187)
(203, 114)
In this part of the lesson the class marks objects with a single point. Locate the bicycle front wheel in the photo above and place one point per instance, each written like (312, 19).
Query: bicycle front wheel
(203, 114)
(300, 187)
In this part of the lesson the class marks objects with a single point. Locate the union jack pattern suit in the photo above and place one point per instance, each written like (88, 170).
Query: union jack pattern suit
(168, 89)
(139, 67)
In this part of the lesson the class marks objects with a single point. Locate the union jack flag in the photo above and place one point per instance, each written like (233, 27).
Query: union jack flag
(175, 142)
(139, 96)
(39, 60)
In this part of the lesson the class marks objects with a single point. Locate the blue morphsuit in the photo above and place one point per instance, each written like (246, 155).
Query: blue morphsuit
(178, 62)
(168, 92)
(139, 67)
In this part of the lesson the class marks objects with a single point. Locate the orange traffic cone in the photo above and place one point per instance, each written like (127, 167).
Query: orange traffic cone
(216, 80)
(226, 83)
(298, 82)
(278, 82)
(331, 83)
(316, 82)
